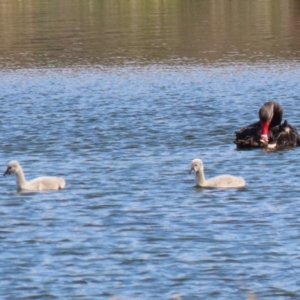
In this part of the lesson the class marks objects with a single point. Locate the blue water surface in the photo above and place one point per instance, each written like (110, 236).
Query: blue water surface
(130, 223)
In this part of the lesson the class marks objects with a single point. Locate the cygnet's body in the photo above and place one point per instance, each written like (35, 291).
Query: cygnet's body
(39, 184)
(222, 181)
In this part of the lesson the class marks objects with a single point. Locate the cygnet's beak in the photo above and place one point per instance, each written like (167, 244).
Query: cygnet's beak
(192, 170)
(7, 172)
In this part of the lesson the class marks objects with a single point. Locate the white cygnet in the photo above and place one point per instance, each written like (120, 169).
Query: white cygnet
(222, 181)
(39, 184)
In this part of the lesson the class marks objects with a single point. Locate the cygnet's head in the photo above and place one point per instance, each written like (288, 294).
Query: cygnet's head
(196, 165)
(12, 167)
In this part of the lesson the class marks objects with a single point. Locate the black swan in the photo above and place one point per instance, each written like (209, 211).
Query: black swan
(268, 132)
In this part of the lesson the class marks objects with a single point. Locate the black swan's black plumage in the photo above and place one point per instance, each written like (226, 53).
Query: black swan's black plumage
(279, 135)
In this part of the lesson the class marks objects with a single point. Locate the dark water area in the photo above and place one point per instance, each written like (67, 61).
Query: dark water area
(118, 97)
(113, 32)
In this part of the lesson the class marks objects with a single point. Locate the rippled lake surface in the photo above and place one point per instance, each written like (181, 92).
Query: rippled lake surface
(122, 128)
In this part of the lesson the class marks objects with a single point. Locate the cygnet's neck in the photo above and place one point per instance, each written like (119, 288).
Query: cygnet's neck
(21, 181)
(200, 178)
